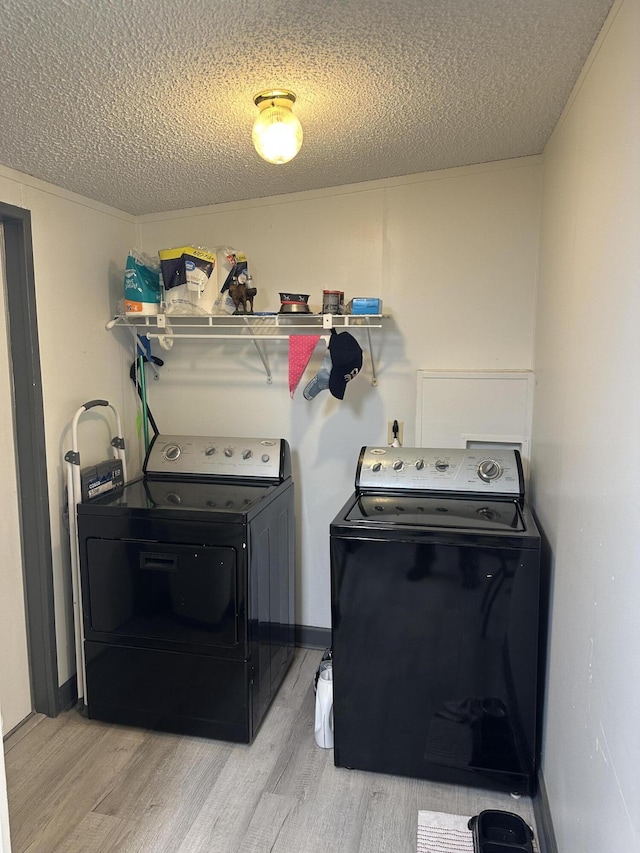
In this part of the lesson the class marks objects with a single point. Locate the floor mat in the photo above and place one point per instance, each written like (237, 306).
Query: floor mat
(439, 832)
(443, 833)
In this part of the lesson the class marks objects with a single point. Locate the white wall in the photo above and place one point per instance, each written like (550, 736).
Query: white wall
(79, 250)
(586, 460)
(453, 255)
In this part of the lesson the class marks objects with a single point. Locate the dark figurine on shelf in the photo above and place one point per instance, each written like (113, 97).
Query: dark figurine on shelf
(242, 294)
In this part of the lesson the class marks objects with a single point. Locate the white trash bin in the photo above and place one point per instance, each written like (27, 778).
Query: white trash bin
(323, 728)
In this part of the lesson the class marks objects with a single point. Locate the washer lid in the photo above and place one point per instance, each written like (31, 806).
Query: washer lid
(423, 511)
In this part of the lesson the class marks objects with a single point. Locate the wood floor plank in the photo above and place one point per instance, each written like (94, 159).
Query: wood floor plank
(390, 821)
(22, 730)
(162, 770)
(270, 815)
(65, 789)
(459, 799)
(295, 687)
(96, 832)
(164, 790)
(331, 820)
(53, 739)
(234, 796)
(301, 763)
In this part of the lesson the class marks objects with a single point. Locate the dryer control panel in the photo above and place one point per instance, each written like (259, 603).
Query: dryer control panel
(218, 456)
(496, 472)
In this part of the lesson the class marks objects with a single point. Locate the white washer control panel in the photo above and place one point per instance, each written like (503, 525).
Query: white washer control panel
(495, 472)
(215, 456)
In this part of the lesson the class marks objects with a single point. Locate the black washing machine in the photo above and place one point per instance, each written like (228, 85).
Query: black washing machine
(188, 588)
(435, 594)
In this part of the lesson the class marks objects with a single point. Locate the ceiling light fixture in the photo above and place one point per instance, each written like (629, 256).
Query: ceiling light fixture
(277, 133)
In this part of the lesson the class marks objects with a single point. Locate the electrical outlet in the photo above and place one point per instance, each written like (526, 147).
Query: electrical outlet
(390, 435)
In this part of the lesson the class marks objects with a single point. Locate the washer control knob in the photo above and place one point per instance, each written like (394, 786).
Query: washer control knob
(377, 466)
(442, 465)
(172, 452)
(419, 464)
(265, 457)
(228, 452)
(209, 451)
(247, 454)
(398, 465)
(489, 470)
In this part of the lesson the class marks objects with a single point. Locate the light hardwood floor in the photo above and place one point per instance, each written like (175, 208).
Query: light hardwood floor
(81, 786)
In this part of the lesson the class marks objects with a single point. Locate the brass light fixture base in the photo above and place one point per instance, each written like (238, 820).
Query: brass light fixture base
(273, 96)
(277, 132)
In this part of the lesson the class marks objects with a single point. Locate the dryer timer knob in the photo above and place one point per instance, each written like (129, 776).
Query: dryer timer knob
(172, 452)
(489, 470)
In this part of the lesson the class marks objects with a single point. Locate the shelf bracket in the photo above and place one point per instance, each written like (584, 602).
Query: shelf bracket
(374, 377)
(261, 352)
(263, 359)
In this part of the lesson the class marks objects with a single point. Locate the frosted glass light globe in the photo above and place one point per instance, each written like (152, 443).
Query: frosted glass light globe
(277, 132)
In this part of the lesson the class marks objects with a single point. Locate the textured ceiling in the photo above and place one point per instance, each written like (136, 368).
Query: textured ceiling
(147, 105)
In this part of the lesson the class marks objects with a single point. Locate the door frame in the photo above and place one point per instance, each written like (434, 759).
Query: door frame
(31, 461)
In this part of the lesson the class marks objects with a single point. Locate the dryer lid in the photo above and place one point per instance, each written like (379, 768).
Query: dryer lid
(184, 495)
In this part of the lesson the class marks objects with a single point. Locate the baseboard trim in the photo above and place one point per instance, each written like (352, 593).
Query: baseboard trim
(310, 637)
(68, 694)
(544, 824)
